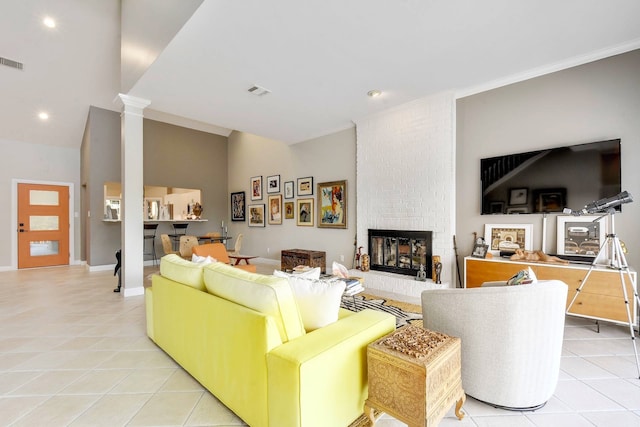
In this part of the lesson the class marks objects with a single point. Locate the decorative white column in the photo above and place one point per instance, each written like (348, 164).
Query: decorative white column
(132, 226)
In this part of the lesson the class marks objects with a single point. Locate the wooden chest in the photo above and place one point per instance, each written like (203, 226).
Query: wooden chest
(291, 258)
(415, 376)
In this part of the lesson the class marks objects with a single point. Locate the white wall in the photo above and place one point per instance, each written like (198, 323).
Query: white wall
(329, 158)
(591, 102)
(35, 162)
(406, 173)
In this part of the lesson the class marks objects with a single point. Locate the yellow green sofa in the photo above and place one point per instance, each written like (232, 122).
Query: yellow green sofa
(241, 336)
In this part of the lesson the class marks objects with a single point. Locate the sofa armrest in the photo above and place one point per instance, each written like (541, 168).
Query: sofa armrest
(320, 379)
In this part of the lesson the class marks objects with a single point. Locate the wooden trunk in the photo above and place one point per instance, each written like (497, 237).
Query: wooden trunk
(291, 258)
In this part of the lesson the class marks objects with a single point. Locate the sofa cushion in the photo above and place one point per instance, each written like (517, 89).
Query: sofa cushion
(267, 294)
(318, 300)
(174, 267)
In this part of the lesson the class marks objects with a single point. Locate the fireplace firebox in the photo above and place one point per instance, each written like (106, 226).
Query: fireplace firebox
(400, 251)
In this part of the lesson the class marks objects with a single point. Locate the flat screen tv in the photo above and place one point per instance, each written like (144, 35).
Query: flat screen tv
(552, 179)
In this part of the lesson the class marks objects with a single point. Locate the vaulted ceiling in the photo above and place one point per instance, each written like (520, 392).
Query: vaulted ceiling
(317, 59)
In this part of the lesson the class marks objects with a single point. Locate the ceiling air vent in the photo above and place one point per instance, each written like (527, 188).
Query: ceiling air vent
(258, 90)
(11, 63)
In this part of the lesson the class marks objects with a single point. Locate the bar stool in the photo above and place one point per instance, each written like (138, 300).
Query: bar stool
(179, 229)
(150, 234)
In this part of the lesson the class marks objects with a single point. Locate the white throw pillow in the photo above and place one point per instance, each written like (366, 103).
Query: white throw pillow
(317, 300)
(204, 260)
(312, 273)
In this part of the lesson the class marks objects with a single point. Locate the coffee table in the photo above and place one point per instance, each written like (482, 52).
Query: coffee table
(239, 258)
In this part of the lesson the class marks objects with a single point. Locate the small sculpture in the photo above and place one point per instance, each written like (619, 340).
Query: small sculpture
(438, 268)
(422, 275)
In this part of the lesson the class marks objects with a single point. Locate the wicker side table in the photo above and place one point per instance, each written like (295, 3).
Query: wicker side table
(414, 376)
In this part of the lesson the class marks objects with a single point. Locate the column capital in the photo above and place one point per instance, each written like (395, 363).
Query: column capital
(132, 103)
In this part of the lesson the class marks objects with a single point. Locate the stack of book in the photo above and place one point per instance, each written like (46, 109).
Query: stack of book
(353, 286)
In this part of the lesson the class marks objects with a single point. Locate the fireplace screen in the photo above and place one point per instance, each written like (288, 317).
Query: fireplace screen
(399, 251)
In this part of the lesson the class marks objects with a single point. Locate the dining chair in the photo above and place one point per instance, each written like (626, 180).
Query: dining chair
(237, 246)
(186, 246)
(167, 247)
(179, 230)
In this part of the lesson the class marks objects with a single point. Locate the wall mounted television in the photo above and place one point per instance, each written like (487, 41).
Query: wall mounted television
(550, 180)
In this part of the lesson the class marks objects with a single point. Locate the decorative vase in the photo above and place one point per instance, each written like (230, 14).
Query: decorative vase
(364, 262)
(197, 210)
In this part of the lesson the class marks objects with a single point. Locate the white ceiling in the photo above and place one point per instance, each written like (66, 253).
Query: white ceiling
(318, 58)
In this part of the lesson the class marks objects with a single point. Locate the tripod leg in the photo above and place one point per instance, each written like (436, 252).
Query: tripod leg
(622, 265)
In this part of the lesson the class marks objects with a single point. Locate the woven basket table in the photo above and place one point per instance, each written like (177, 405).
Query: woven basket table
(414, 376)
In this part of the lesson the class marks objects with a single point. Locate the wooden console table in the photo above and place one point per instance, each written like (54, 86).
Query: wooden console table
(415, 376)
(291, 258)
(601, 298)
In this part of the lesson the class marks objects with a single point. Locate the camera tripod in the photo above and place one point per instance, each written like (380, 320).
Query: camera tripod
(617, 261)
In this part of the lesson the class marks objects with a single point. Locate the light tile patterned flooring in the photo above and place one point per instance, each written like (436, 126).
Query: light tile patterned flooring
(74, 353)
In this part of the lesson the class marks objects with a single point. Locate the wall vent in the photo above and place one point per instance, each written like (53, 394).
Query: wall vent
(258, 90)
(11, 63)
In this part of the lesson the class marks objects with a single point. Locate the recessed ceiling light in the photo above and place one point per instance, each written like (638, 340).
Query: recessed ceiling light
(49, 22)
(43, 115)
(374, 93)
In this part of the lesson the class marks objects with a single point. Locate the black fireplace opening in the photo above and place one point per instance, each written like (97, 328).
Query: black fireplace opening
(400, 251)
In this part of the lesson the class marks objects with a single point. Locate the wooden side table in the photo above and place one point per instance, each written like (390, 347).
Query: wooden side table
(414, 376)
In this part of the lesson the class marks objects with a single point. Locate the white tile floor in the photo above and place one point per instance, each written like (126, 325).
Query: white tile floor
(73, 353)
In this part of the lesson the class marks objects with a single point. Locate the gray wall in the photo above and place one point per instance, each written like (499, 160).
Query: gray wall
(329, 158)
(592, 102)
(174, 156)
(34, 162)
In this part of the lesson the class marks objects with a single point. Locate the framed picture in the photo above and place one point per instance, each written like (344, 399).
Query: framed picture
(581, 235)
(256, 215)
(305, 186)
(237, 206)
(305, 212)
(518, 196)
(273, 184)
(256, 188)
(275, 209)
(496, 207)
(288, 190)
(288, 210)
(549, 200)
(332, 204)
(508, 237)
(480, 248)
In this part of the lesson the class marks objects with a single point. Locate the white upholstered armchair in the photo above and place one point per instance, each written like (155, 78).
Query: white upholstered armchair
(511, 339)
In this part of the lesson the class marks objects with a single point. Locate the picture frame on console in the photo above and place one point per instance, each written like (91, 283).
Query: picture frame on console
(581, 236)
(305, 212)
(332, 204)
(508, 237)
(480, 248)
(238, 206)
(256, 215)
(256, 187)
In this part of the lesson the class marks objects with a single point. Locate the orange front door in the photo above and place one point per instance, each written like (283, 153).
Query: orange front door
(43, 225)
